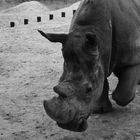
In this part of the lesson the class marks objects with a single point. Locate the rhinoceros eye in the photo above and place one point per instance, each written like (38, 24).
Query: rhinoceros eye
(89, 89)
(91, 45)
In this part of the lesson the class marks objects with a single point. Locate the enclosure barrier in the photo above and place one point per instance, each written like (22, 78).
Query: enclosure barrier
(51, 17)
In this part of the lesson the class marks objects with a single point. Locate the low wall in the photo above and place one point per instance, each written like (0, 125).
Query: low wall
(48, 18)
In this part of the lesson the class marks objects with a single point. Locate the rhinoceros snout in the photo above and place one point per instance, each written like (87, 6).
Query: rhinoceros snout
(65, 115)
(65, 109)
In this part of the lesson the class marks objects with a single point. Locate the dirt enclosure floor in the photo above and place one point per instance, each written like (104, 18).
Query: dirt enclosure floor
(29, 67)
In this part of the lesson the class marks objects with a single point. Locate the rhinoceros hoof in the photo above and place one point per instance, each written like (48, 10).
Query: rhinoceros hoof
(124, 102)
(104, 107)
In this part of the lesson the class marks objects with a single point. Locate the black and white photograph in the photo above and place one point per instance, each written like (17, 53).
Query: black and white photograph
(69, 69)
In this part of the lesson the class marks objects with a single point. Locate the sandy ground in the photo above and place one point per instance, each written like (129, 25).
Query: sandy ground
(29, 67)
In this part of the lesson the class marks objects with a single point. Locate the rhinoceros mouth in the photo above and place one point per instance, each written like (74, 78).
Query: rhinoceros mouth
(66, 119)
(79, 126)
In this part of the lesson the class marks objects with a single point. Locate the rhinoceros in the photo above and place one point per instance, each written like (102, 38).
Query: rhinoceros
(104, 37)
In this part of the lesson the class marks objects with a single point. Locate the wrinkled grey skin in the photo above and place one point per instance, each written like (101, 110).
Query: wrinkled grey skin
(103, 38)
(81, 77)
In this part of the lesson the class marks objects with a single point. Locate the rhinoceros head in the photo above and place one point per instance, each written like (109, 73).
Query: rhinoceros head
(81, 84)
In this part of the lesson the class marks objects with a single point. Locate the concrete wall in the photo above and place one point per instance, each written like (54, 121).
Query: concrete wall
(18, 20)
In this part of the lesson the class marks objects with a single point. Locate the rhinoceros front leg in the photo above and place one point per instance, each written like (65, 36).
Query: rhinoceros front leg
(104, 102)
(126, 88)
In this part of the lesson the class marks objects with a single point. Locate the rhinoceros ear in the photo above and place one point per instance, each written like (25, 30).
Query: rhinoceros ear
(54, 37)
(91, 38)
